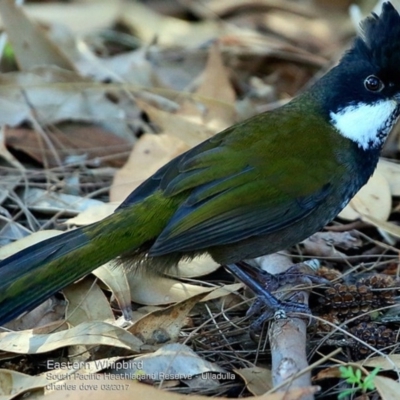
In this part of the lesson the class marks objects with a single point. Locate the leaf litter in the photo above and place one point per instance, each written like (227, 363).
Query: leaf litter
(90, 110)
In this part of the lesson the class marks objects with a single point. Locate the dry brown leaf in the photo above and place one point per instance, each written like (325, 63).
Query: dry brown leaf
(258, 380)
(159, 290)
(275, 263)
(140, 312)
(9, 229)
(199, 266)
(388, 227)
(224, 291)
(387, 363)
(215, 85)
(324, 244)
(374, 199)
(306, 32)
(48, 95)
(88, 333)
(215, 82)
(99, 387)
(103, 14)
(131, 67)
(67, 141)
(149, 25)
(331, 372)
(7, 156)
(293, 394)
(229, 7)
(93, 214)
(191, 131)
(172, 361)
(86, 302)
(32, 47)
(46, 314)
(12, 248)
(391, 171)
(50, 202)
(164, 325)
(131, 390)
(13, 383)
(149, 154)
(113, 275)
(388, 388)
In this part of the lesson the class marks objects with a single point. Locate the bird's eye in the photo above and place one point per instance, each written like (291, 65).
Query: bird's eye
(373, 84)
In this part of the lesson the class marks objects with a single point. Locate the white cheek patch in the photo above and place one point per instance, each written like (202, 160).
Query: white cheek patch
(366, 124)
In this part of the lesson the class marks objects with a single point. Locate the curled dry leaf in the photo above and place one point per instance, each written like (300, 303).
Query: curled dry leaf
(374, 199)
(103, 13)
(391, 171)
(9, 157)
(388, 227)
(11, 230)
(48, 95)
(31, 44)
(64, 143)
(306, 32)
(100, 387)
(169, 31)
(275, 263)
(86, 302)
(113, 275)
(13, 383)
(224, 291)
(164, 325)
(258, 380)
(326, 373)
(324, 244)
(151, 290)
(388, 388)
(199, 266)
(131, 390)
(149, 154)
(12, 248)
(140, 312)
(174, 360)
(344, 240)
(46, 314)
(390, 362)
(215, 85)
(86, 334)
(94, 213)
(52, 202)
(158, 290)
(215, 82)
(131, 67)
(182, 125)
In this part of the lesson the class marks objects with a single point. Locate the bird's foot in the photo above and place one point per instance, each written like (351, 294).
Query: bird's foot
(288, 307)
(251, 277)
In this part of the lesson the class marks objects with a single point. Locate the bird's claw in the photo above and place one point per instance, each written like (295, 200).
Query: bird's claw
(286, 308)
(274, 307)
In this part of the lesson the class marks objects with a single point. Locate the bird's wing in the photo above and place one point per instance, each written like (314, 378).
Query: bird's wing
(235, 186)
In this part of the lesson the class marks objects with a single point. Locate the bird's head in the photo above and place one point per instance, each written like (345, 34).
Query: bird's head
(361, 95)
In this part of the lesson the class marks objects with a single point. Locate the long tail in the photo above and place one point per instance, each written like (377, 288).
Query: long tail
(31, 276)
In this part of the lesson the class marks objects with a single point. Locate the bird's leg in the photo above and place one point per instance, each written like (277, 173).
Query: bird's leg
(262, 283)
(262, 292)
(297, 274)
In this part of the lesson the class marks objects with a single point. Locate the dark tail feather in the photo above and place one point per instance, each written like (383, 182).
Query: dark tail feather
(22, 274)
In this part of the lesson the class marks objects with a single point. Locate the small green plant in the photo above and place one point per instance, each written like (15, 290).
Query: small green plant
(354, 377)
(8, 52)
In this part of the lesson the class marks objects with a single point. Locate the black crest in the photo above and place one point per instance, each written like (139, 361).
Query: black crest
(379, 42)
